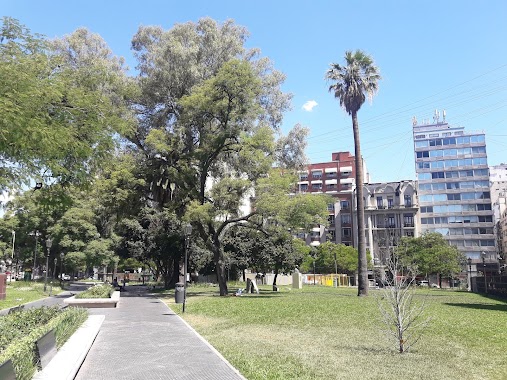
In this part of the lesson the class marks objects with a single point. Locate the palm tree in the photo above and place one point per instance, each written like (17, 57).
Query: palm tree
(351, 83)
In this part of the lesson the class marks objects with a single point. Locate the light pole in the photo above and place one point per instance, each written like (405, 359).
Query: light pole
(483, 255)
(36, 234)
(12, 254)
(13, 240)
(61, 268)
(9, 265)
(54, 276)
(49, 243)
(188, 232)
(469, 274)
(314, 245)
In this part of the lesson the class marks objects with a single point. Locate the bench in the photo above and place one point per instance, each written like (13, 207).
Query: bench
(7, 371)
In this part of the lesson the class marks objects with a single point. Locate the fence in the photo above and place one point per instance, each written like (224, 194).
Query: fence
(495, 285)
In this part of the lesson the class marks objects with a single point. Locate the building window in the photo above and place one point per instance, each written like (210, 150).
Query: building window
(345, 205)
(331, 219)
(408, 220)
(409, 233)
(332, 235)
(316, 186)
(303, 176)
(331, 187)
(346, 232)
(390, 221)
(345, 218)
(408, 201)
(303, 187)
(380, 202)
(317, 174)
(390, 202)
(330, 207)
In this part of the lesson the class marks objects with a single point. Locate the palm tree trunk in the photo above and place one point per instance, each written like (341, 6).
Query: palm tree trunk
(362, 288)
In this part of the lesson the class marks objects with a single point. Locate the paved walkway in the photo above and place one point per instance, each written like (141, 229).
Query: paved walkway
(144, 339)
(51, 301)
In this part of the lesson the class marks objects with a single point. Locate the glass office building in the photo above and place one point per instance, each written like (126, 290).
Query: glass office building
(453, 182)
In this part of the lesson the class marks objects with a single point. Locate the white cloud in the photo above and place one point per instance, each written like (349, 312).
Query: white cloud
(309, 105)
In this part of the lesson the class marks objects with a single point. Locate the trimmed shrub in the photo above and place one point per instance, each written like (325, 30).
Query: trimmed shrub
(97, 291)
(22, 350)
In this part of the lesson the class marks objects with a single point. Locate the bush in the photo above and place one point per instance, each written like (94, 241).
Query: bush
(97, 291)
(21, 323)
(22, 351)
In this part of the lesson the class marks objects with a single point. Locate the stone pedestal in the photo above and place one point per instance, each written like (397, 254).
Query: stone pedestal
(297, 280)
(3, 286)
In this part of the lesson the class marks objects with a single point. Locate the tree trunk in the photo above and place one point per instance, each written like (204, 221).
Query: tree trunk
(220, 266)
(362, 286)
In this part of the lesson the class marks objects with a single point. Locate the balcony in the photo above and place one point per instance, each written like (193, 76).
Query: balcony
(406, 224)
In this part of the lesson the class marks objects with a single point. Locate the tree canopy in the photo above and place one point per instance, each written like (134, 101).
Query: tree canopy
(430, 254)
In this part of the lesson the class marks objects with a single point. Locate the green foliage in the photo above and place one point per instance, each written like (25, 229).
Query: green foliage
(97, 291)
(62, 101)
(21, 323)
(430, 254)
(22, 349)
(294, 211)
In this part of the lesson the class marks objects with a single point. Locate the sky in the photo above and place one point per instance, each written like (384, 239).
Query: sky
(433, 55)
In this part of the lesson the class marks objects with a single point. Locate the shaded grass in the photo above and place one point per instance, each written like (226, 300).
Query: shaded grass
(328, 333)
(21, 292)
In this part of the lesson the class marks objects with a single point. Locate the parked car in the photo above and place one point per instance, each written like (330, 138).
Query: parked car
(65, 277)
(422, 283)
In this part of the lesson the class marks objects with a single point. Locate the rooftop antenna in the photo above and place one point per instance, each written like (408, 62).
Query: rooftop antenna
(443, 115)
(436, 116)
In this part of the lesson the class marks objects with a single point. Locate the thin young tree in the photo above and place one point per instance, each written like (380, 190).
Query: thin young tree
(403, 315)
(351, 83)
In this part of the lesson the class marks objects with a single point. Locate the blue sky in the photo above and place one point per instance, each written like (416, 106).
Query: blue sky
(432, 55)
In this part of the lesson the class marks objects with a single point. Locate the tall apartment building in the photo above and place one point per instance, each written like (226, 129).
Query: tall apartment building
(498, 186)
(454, 194)
(391, 212)
(336, 178)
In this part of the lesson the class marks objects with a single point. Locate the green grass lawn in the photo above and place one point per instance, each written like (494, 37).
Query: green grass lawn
(330, 333)
(21, 292)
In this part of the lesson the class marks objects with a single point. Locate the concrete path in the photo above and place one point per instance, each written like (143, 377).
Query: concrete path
(144, 339)
(52, 300)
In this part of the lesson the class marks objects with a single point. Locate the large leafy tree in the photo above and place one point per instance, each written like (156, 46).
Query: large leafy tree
(430, 254)
(62, 102)
(351, 84)
(206, 114)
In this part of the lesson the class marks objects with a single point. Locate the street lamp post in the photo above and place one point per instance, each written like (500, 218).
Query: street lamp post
(12, 255)
(483, 255)
(314, 245)
(188, 232)
(54, 276)
(13, 240)
(36, 234)
(9, 265)
(49, 242)
(469, 274)
(61, 269)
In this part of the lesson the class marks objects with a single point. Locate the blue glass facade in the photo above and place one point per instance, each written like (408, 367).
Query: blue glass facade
(453, 184)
